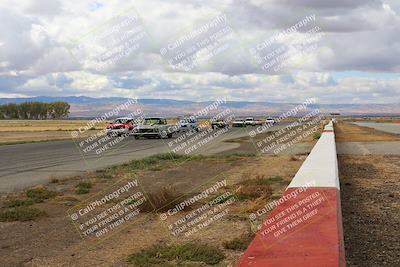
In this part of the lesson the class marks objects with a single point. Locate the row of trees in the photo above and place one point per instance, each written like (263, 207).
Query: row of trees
(34, 110)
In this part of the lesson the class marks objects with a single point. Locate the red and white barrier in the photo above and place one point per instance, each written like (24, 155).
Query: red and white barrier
(305, 225)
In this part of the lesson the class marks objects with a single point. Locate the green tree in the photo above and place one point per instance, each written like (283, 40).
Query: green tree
(35, 110)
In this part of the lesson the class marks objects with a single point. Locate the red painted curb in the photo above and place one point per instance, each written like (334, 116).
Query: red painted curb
(305, 230)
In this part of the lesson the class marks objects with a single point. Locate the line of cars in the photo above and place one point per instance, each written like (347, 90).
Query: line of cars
(250, 121)
(158, 127)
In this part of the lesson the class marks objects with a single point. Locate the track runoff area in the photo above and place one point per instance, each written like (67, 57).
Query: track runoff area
(305, 227)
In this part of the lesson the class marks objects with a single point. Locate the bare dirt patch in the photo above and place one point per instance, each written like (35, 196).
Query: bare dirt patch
(371, 204)
(53, 241)
(347, 132)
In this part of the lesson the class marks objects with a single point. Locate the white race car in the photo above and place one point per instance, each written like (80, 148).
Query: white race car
(270, 121)
(239, 123)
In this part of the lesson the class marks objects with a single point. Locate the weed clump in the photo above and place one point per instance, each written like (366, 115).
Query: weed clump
(239, 243)
(317, 136)
(189, 252)
(83, 188)
(40, 194)
(20, 214)
(161, 200)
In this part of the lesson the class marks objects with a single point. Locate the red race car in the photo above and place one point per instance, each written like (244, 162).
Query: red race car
(121, 126)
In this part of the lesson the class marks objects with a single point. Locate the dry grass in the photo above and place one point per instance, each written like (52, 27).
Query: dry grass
(43, 125)
(26, 131)
(161, 200)
(379, 120)
(346, 132)
(54, 242)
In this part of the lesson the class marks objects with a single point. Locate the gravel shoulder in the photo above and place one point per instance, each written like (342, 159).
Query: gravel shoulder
(370, 205)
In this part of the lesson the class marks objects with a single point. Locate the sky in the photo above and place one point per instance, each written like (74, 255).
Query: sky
(338, 51)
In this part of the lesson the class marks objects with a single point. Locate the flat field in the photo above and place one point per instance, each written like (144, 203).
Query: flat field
(26, 131)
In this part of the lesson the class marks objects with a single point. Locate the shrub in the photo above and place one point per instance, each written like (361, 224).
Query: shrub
(258, 187)
(83, 188)
(19, 203)
(316, 136)
(261, 180)
(152, 161)
(161, 255)
(253, 192)
(239, 243)
(220, 199)
(40, 194)
(20, 214)
(54, 180)
(161, 200)
(103, 174)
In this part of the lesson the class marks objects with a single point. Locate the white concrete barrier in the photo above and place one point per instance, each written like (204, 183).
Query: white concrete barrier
(305, 229)
(321, 165)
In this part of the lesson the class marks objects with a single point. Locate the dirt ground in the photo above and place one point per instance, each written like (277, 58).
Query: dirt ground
(371, 203)
(370, 200)
(347, 132)
(53, 241)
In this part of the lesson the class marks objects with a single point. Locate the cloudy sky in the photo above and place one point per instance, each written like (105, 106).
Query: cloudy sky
(339, 51)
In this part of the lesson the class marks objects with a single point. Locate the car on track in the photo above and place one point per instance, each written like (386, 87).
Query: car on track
(121, 126)
(252, 122)
(239, 123)
(218, 124)
(188, 123)
(270, 121)
(154, 127)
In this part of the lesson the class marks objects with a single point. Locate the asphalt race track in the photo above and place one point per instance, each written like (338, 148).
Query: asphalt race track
(26, 165)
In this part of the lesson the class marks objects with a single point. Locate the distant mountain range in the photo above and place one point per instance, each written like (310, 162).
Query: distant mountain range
(82, 106)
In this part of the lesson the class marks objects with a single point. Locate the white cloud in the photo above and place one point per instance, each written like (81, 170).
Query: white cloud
(36, 36)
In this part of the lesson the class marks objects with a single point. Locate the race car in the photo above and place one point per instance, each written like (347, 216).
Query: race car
(252, 122)
(218, 124)
(239, 123)
(188, 123)
(121, 126)
(270, 121)
(155, 127)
